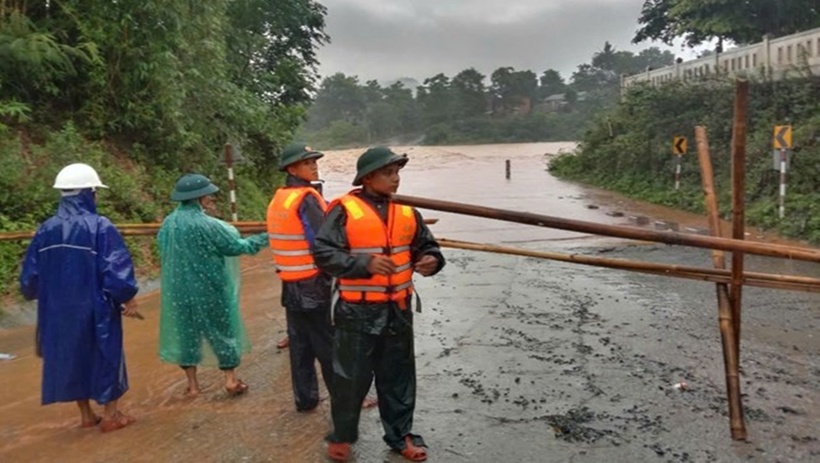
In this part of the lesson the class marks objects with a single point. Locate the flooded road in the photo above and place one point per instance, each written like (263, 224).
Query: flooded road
(518, 359)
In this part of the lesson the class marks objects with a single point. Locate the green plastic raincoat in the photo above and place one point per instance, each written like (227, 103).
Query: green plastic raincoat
(200, 317)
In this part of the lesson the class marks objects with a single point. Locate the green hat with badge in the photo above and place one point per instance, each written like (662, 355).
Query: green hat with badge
(374, 159)
(193, 186)
(296, 152)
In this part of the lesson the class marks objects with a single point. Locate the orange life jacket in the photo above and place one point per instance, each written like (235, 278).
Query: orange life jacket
(286, 233)
(368, 234)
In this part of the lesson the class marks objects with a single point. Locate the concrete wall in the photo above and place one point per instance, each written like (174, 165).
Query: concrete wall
(775, 58)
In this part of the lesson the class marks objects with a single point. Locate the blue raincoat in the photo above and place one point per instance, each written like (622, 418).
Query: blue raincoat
(80, 272)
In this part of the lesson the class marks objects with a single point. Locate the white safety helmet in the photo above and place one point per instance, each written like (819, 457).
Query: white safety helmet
(77, 176)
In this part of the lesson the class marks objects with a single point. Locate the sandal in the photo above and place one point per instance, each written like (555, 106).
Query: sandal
(412, 451)
(338, 451)
(239, 389)
(283, 343)
(119, 421)
(91, 424)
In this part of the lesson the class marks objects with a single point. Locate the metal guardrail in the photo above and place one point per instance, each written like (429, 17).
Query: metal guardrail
(772, 58)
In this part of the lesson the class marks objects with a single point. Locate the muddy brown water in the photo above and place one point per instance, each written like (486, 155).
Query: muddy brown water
(518, 359)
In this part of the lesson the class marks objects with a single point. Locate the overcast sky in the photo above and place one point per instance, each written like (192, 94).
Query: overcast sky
(389, 39)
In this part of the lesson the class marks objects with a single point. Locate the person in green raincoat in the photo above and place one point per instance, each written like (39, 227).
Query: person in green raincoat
(200, 316)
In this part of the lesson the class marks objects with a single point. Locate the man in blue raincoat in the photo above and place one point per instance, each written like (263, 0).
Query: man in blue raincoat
(80, 272)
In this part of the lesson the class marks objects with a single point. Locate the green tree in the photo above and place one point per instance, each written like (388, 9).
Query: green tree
(746, 21)
(469, 94)
(340, 98)
(608, 64)
(652, 57)
(510, 88)
(35, 63)
(272, 47)
(551, 83)
(372, 92)
(402, 103)
(434, 99)
(588, 78)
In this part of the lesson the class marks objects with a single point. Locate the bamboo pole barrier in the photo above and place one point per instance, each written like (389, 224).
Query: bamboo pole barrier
(737, 425)
(618, 231)
(738, 200)
(150, 229)
(764, 280)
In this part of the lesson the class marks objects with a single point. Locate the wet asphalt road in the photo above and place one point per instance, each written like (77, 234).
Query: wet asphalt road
(558, 362)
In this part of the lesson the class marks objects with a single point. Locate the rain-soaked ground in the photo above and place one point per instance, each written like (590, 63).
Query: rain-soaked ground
(518, 359)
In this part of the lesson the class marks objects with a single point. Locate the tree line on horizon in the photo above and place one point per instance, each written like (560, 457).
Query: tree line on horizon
(507, 105)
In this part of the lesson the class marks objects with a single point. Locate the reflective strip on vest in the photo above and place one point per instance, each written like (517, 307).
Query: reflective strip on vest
(403, 286)
(295, 268)
(395, 250)
(353, 209)
(402, 268)
(363, 288)
(291, 197)
(375, 289)
(279, 236)
(301, 252)
(367, 250)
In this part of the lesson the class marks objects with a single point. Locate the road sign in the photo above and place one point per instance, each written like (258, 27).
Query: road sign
(781, 155)
(782, 139)
(679, 145)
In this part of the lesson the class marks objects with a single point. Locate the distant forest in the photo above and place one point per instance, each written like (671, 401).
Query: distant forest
(514, 106)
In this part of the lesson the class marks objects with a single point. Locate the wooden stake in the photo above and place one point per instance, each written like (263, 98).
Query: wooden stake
(738, 200)
(728, 334)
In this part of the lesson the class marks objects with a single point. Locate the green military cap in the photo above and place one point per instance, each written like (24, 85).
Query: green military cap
(296, 152)
(192, 186)
(374, 159)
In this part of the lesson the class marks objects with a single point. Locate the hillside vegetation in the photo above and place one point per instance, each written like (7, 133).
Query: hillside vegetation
(629, 149)
(145, 90)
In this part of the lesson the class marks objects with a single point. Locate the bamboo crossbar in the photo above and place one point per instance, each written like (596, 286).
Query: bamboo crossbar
(764, 280)
(150, 229)
(618, 231)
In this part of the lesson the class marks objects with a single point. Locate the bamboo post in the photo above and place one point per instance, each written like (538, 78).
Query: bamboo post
(668, 237)
(731, 367)
(738, 200)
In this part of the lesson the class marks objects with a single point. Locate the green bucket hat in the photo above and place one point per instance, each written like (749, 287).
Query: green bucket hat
(374, 159)
(192, 186)
(296, 152)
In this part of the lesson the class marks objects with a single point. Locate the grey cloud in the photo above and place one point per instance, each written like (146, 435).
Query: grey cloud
(393, 38)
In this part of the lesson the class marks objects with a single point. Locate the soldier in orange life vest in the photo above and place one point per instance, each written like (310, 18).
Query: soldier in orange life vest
(373, 246)
(294, 215)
